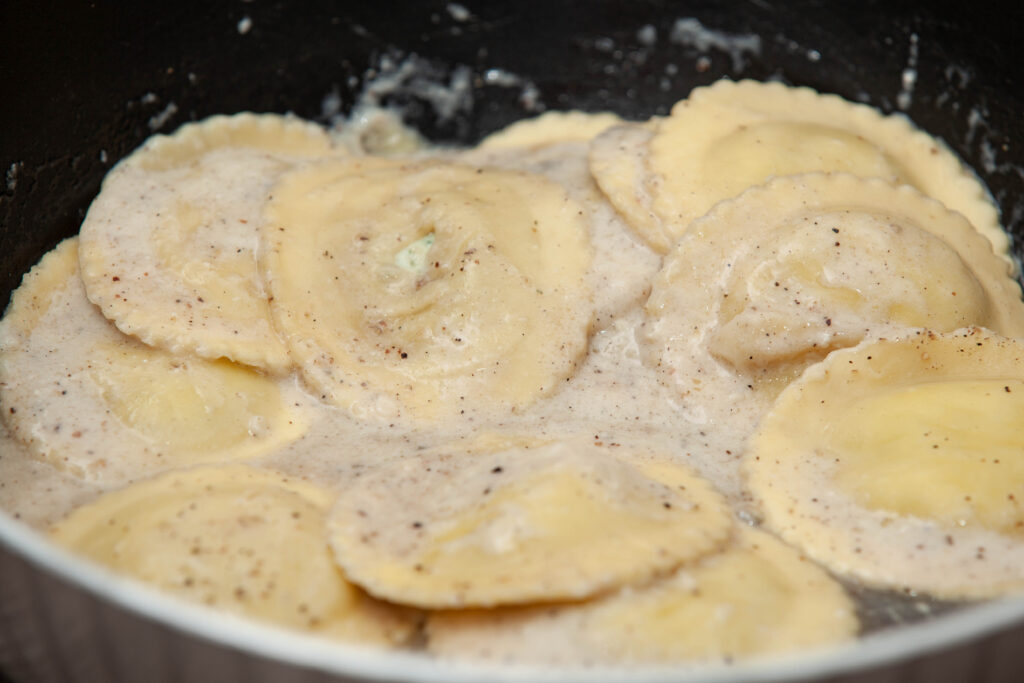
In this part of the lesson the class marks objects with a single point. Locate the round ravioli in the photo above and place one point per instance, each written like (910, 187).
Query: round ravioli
(427, 289)
(551, 128)
(757, 597)
(618, 162)
(773, 280)
(169, 246)
(236, 538)
(106, 407)
(899, 462)
(534, 522)
(730, 136)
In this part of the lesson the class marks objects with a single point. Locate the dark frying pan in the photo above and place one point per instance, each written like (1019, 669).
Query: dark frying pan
(82, 84)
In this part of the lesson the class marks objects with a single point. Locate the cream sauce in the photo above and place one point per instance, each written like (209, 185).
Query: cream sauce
(613, 397)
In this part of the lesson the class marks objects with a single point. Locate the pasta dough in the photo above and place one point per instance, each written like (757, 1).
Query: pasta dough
(618, 161)
(448, 391)
(773, 280)
(756, 597)
(730, 136)
(176, 266)
(898, 462)
(616, 250)
(238, 538)
(522, 522)
(112, 408)
(427, 288)
(550, 128)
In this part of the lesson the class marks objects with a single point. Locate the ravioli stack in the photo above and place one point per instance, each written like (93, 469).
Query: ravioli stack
(730, 136)
(843, 271)
(837, 272)
(177, 347)
(430, 286)
(142, 355)
(152, 325)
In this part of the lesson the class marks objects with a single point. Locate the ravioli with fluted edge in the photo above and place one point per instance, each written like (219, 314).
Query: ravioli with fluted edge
(177, 267)
(550, 128)
(771, 281)
(899, 463)
(508, 403)
(238, 538)
(137, 410)
(427, 288)
(618, 162)
(731, 135)
(533, 522)
(756, 597)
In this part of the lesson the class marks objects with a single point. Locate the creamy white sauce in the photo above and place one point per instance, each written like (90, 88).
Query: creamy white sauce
(613, 397)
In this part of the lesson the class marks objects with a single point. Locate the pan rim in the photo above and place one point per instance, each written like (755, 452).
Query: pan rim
(368, 663)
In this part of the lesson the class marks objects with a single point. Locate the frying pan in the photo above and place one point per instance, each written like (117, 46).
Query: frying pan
(81, 85)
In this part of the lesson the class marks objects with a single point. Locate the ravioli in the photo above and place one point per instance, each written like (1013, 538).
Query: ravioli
(237, 538)
(616, 250)
(520, 523)
(898, 462)
(730, 136)
(770, 282)
(550, 128)
(137, 410)
(454, 346)
(618, 162)
(424, 289)
(178, 269)
(756, 597)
